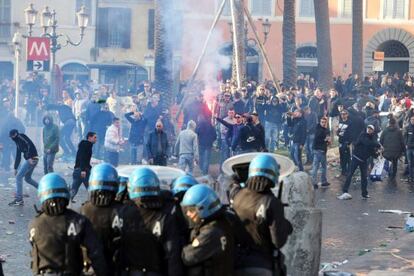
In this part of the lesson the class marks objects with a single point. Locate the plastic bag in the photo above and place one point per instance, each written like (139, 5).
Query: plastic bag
(379, 170)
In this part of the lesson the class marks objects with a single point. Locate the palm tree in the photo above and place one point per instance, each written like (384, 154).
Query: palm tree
(289, 44)
(163, 54)
(323, 42)
(357, 31)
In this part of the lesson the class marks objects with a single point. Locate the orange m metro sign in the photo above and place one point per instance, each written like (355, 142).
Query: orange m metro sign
(38, 54)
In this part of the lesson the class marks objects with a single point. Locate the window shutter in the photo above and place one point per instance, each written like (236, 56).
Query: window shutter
(150, 39)
(126, 34)
(102, 27)
(266, 7)
(256, 7)
(399, 9)
(347, 8)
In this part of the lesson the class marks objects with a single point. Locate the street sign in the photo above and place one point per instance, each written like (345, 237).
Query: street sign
(38, 54)
(378, 65)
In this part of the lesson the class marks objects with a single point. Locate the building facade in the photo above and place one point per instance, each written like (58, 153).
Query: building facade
(388, 27)
(113, 48)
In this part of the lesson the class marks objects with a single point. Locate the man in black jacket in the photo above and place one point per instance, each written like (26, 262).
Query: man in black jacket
(298, 136)
(82, 164)
(206, 137)
(409, 143)
(25, 146)
(320, 147)
(158, 146)
(344, 133)
(365, 147)
(136, 136)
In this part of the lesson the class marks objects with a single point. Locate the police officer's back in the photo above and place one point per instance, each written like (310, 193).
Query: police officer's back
(211, 248)
(57, 233)
(263, 216)
(150, 229)
(104, 212)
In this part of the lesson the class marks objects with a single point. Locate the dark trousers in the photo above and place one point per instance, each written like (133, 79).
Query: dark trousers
(410, 159)
(112, 157)
(48, 161)
(344, 157)
(77, 181)
(363, 167)
(393, 169)
(65, 138)
(160, 160)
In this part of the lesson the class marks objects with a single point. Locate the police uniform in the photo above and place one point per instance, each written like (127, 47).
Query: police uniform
(104, 212)
(211, 249)
(150, 232)
(263, 217)
(57, 234)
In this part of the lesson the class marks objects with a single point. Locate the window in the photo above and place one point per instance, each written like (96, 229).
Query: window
(346, 8)
(226, 10)
(5, 20)
(306, 8)
(394, 9)
(261, 7)
(88, 6)
(111, 34)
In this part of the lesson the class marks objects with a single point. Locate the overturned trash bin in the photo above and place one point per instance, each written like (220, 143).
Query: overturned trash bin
(303, 248)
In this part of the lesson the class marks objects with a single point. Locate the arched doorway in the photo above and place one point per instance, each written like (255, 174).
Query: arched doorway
(252, 62)
(398, 45)
(75, 71)
(307, 60)
(397, 57)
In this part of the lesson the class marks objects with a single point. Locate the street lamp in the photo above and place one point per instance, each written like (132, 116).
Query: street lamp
(48, 20)
(149, 63)
(17, 42)
(266, 29)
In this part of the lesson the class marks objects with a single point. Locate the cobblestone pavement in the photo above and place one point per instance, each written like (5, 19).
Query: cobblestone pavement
(349, 227)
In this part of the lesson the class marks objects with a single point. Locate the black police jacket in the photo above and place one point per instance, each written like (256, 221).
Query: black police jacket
(107, 222)
(56, 244)
(263, 216)
(151, 239)
(211, 251)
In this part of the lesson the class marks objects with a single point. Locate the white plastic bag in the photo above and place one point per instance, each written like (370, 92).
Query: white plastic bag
(378, 171)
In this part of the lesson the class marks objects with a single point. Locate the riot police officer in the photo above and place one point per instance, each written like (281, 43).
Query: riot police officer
(211, 251)
(104, 212)
(151, 245)
(57, 234)
(262, 215)
(181, 185)
(122, 194)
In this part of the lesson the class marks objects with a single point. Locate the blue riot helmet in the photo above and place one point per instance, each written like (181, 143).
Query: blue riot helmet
(103, 177)
(182, 184)
(122, 189)
(143, 182)
(203, 199)
(263, 172)
(52, 186)
(103, 184)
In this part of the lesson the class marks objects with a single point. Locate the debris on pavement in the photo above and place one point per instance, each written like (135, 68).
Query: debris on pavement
(363, 252)
(409, 223)
(398, 212)
(331, 267)
(365, 214)
(2, 258)
(9, 232)
(12, 222)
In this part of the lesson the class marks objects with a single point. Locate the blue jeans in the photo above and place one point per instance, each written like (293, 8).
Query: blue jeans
(25, 171)
(112, 157)
(48, 160)
(224, 151)
(410, 158)
(296, 155)
(137, 152)
(77, 181)
(272, 133)
(319, 158)
(186, 159)
(65, 138)
(309, 147)
(286, 130)
(205, 154)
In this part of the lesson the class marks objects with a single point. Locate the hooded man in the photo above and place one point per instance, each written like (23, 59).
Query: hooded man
(186, 147)
(50, 143)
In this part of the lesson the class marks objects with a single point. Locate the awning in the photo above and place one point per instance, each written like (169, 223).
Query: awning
(112, 65)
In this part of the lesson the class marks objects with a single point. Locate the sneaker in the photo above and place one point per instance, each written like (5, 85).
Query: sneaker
(365, 197)
(325, 185)
(16, 202)
(344, 196)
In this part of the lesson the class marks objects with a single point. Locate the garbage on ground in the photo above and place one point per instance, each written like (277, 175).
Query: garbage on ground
(325, 267)
(337, 273)
(398, 212)
(409, 223)
(365, 214)
(12, 222)
(2, 258)
(363, 252)
(9, 232)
